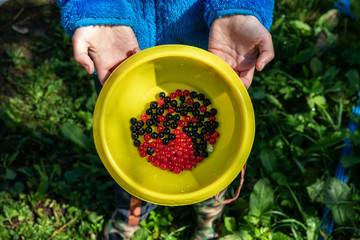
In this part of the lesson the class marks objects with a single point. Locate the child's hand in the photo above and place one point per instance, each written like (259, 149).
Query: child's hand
(107, 46)
(237, 40)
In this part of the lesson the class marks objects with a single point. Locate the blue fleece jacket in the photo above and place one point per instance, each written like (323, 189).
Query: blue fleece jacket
(157, 22)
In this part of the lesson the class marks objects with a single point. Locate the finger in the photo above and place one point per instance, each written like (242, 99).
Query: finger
(81, 55)
(247, 76)
(266, 50)
(103, 75)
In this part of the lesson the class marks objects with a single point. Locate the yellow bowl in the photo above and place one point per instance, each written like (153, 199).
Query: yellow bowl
(138, 81)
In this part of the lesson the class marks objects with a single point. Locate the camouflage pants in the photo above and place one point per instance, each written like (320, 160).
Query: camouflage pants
(130, 211)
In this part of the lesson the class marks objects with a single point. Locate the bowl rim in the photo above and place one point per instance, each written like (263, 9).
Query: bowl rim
(150, 54)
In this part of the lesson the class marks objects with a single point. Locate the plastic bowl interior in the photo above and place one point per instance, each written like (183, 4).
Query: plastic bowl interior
(138, 81)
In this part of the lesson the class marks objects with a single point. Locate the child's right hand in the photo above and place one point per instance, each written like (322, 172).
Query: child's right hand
(107, 46)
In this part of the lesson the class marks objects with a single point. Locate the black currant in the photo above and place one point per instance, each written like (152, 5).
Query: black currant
(213, 111)
(207, 114)
(207, 102)
(141, 131)
(196, 112)
(174, 125)
(167, 99)
(154, 116)
(215, 124)
(137, 143)
(161, 135)
(183, 113)
(166, 124)
(172, 136)
(133, 128)
(197, 153)
(182, 98)
(183, 105)
(148, 130)
(153, 105)
(189, 109)
(176, 117)
(166, 130)
(204, 130)
(169, 116)
(150, 151)
(193, 94)
(133, 120)
(154, 135)
(201, 96)
(177, 109)
(196, 146)
(160, 111)
(204, 154)
(196, 105)
(134, 136)
(202, 146)
(162, 95)
(140, 123)
(149, 111)
(173, 103)
(150, 122)
(165, 141)
(166, 106)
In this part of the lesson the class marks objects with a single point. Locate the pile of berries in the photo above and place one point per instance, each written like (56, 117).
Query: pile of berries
(177, 131)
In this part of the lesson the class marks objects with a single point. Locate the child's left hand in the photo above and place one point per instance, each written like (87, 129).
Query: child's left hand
(237, 40)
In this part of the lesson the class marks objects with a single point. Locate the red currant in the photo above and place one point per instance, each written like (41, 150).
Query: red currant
(160, 128)
(178, 92)
(160, 101)
(215, 135)
(212, 118)
(190, 101)
(172, 95)
(181, 123)
(187, 119)
(203, 108)
(171, 110)
(212, 141)
(144, 117)
(143, 153)
(186, 93)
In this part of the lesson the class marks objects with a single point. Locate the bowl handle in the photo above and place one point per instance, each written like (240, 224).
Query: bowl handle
(226, 201)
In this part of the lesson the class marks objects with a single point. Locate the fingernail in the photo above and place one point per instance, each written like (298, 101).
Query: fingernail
(86, 67)
(262, 66)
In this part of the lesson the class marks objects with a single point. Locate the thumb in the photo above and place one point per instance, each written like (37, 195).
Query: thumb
(81, 55)
(266, 50)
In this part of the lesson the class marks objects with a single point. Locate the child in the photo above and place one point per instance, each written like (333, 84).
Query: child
(107, 32)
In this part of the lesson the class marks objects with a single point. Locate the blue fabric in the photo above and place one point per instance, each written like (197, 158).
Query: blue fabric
(157, 22)
(261, 9)
(344, 7)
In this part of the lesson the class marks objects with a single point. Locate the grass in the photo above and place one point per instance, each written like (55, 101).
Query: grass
(53, 185)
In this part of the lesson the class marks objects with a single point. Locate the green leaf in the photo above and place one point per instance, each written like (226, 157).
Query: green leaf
(355, 8)
(303, 56)
(261, 202)
(319, 101)
(76, 135)
(268, 160)
(349, 161)
(316, 66)
(241, 235)
(280, 178)
(328, 141)
(315, 191)
(337, 196)
(303, 27)
(230, 224)
(280, 236)
(10, 174)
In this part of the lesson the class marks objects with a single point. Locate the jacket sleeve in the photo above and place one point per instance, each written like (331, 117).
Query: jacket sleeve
(81, 13)
(261, 9)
